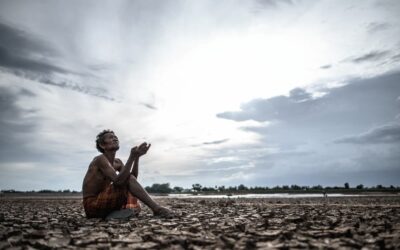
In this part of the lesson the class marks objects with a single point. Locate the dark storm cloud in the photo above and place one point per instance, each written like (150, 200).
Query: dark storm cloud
(384, 134)
(251, 110)
(101, 67)
(372, 56)
(207, 143)
(298, 130)
(215, 142)
(93, 91)
(27, 92)
(13, 61)
(327, 66)
(15, 128)
(149, 106)
(299, 95)
(27, 56)
(20, 42)
(334, 164)
(361, 101)
(18, 51)
(377, 27)
(275, 108)
(396, 58)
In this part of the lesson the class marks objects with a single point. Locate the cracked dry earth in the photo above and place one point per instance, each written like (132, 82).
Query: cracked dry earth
(359, 222)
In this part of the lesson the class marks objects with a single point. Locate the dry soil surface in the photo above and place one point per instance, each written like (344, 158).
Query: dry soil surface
(369, 222)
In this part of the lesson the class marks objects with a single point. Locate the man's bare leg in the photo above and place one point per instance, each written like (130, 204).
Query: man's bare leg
(138, 191)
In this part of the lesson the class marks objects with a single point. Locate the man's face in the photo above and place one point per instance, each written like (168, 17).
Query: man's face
(110, 142)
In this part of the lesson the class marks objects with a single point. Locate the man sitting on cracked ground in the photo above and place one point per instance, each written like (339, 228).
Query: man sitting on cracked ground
(108, 194)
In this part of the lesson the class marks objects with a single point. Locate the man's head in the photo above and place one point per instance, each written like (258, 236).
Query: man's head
(107, 141)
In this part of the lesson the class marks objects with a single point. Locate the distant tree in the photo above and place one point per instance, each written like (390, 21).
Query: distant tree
(379, 186)
(295, 187)
(208, 189)
(178, 189)
(159, 188)
(346, 185)
(361, 186)
(196, 187)
(242, 187)
(257, 188)
(285, 187)
(232, 189)
(9, 191)
(46, 191)
(317, 187)
(66, 191)
(221, 188)
(165, 188)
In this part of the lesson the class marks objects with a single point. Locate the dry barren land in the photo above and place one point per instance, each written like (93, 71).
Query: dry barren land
(351, 222)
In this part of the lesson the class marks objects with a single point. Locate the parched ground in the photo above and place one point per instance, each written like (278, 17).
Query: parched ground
(371, 222)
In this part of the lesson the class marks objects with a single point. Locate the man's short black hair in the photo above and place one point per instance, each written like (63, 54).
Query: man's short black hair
(100, 139)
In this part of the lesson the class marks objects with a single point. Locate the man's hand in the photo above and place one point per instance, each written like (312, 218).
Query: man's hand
(134, 152)
(141, 150)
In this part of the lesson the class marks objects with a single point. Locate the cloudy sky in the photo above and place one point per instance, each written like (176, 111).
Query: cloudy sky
(256, 92)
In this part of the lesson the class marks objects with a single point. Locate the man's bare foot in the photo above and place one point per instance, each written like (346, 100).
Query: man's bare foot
(163, 212)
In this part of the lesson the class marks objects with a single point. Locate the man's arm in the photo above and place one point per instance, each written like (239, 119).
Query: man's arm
(141, 150)
(118, 167)
(135, 169)
(107, 169)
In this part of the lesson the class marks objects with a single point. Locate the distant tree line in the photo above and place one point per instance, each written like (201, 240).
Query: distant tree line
(198, 188)
(165, 188)
(42, 191)
(159, 188)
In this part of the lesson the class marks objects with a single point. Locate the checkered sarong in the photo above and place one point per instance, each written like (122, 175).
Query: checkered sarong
(111, 199)
(132, 202)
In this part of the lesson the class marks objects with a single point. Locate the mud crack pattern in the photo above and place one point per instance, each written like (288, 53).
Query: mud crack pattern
(352, 223)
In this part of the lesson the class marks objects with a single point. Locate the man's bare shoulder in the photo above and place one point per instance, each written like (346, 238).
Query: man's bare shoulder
(95, 179)
(99, 158)
(96, 161)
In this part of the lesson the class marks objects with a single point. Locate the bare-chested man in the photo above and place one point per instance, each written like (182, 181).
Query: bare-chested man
(105, 190)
